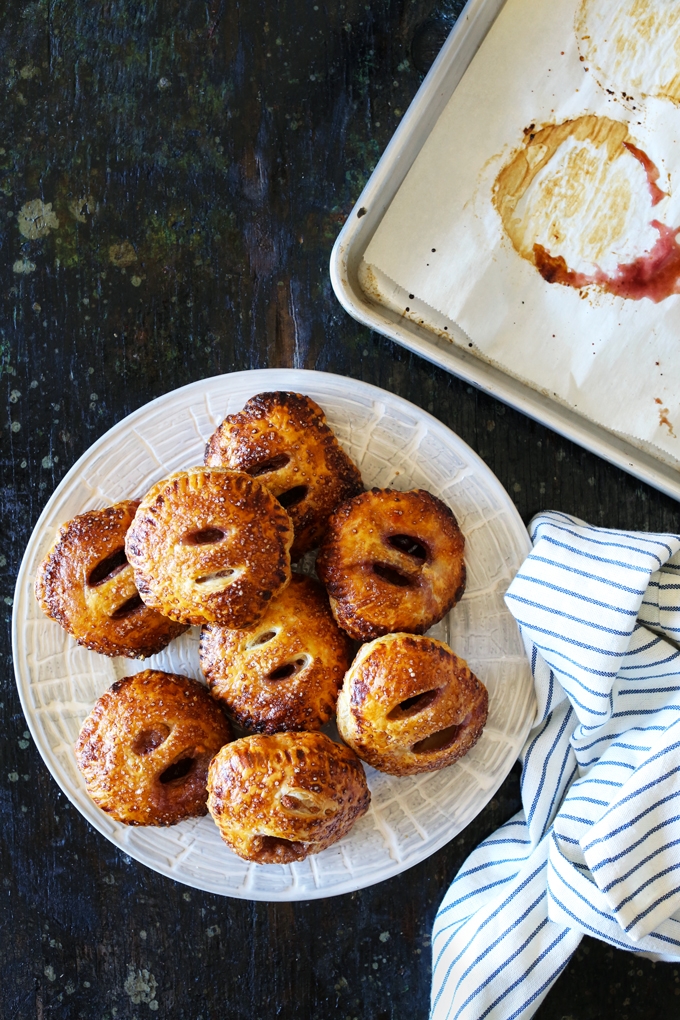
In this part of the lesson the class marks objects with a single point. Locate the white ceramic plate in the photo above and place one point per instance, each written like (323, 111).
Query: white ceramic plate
(395, 444)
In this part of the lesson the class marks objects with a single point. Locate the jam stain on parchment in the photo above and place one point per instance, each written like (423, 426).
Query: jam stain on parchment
(652, 171)
(655, 274)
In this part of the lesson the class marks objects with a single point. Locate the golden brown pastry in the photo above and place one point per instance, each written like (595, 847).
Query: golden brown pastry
(392, 561)
(283, 439)
(145, 748)
(409, 704)
(86, 584)
(285, 672)
(209, 545)
(279, 798)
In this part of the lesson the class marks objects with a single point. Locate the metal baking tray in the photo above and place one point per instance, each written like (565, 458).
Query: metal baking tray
(649, 464)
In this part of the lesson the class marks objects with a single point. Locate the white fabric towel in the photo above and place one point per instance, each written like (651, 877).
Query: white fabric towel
(596, 848)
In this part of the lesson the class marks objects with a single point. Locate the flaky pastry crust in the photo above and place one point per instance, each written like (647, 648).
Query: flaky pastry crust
(409, 705)
(392, 561)
(145, 748)
(209, 545)
(283, 439)
(285, 672)
(279, 798)
(86, 584)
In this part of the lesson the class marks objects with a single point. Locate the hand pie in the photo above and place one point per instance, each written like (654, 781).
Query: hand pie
(277, 799)
(209, 545)
(409, 705)
(145, 748)
(392, 561)
(284, 441)
(285, 672)
(86, 584)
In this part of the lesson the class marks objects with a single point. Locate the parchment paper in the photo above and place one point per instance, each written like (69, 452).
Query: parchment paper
(611, 358)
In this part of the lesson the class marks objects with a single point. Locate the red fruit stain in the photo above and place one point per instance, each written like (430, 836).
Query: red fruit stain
(654, 275)
(650, 169)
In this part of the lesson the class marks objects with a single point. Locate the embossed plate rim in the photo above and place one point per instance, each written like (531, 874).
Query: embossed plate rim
(261, 379)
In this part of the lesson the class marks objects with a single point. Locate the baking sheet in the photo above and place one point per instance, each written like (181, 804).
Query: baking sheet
(442, 240)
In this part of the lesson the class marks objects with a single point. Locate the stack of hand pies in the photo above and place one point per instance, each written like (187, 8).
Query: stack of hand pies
(212, 546)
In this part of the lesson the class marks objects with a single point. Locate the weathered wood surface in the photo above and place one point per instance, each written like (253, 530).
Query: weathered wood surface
(198, 159)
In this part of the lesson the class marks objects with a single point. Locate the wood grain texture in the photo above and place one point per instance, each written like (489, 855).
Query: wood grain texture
(199, 159)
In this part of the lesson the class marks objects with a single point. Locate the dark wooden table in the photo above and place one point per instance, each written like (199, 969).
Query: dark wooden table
(195, 162)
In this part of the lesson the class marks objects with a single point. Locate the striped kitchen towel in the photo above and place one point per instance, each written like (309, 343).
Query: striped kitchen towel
(596, 848)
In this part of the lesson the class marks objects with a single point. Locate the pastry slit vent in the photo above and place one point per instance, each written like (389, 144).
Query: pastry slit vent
(178, 770)
(272, 847)
(148, 740)
(108, 567)
(409, 545)
(127, 608)
(206, 536)
(440, 740)
(263, 639)
(418, 703)
(392, 576)
(289, 669)
(299, 804)
(266, 466)
(292, 497)
(218, 575)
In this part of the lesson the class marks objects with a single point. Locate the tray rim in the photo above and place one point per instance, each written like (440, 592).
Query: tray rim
(456, 54)
(267, 376)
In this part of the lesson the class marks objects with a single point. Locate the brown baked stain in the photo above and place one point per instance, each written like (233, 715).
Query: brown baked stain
(633, 45)
(663, 417)
(655, 275)
(562, 197)
(540, 146)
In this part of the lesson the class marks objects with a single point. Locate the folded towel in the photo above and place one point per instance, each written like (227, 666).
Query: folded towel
(596, 848)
